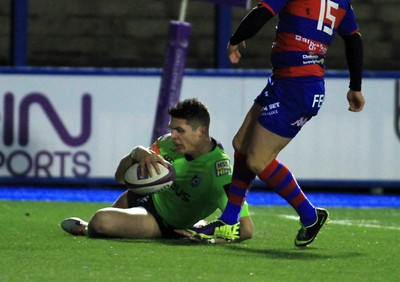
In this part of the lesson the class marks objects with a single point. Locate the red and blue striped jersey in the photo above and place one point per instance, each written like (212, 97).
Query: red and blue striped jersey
(304, 33)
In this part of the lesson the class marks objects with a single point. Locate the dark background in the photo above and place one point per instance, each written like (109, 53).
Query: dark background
(132, 34)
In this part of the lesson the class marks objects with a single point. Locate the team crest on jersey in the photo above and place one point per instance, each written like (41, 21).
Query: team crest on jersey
(196, 180)
(222, 168)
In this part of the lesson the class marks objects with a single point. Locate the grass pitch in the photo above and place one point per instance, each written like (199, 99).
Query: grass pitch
(356, 245)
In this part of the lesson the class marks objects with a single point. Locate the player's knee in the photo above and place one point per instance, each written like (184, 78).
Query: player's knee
(237, 143)
(257, 163)
(99, 224)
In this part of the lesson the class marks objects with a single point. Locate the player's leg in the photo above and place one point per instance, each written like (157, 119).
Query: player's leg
(258, 148)
(242, 176)
(78, 227)
(242, 138)
(264, 148)
(134, 223)
(122, 201)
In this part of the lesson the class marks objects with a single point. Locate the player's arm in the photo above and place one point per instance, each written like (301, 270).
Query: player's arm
(246, 223)
(355, 60)
(123, 165)
(247, 28)
(246, 228)
(251, 24)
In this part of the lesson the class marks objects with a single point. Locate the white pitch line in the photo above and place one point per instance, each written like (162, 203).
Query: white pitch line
(358, 223)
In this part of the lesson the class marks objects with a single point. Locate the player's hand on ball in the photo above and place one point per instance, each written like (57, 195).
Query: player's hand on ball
(152, 160)
(148, 158)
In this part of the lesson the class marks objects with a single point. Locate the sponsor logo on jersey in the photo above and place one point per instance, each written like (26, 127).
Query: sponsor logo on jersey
(222, 168)
(312, 60)
(312, 45)
(300, 122)
(271, 109)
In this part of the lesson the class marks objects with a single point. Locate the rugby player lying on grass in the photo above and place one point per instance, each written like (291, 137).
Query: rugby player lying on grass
(203, 172)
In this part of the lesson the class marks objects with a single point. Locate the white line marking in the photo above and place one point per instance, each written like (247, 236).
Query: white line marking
(347, 222)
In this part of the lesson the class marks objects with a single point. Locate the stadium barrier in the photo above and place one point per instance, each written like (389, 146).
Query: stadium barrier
(69, 126)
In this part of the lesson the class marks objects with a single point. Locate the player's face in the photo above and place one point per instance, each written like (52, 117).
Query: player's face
(186, 139)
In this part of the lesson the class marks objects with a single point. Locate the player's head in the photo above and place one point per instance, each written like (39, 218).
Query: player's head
(193, 111)
(189, 124)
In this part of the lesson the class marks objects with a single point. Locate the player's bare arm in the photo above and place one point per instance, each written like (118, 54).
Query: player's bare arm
(148, 158)
(234, 53)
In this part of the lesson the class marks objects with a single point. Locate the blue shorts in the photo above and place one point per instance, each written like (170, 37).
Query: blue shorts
(287, 104)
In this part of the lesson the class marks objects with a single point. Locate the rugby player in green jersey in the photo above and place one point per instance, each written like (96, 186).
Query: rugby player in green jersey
(203, 173)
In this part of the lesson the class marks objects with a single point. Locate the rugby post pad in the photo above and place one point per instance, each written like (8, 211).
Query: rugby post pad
(148, 185)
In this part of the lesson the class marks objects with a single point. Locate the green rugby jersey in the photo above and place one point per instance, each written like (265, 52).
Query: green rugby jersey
(198, 189)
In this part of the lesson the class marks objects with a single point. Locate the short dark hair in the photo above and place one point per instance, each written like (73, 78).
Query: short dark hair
(194, 111)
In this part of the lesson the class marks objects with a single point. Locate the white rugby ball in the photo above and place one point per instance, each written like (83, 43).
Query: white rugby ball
(148, 185)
